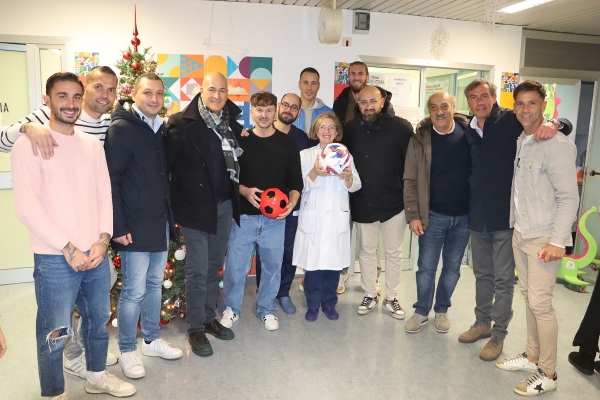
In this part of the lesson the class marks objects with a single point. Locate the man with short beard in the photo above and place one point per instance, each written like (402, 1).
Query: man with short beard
(289, 108)
(436, 201)
(66, 205)
(344, 104)
(378, 143)
(98, 98)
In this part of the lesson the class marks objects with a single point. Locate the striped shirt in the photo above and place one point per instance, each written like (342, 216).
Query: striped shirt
(85, 124)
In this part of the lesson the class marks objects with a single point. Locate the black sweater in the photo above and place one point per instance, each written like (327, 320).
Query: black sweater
(379, 149)
(493, 158)
(271, 162)
(139, 182)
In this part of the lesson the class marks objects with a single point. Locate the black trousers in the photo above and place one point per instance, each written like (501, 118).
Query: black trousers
(288, 271)
(320, 287)
(589, 331)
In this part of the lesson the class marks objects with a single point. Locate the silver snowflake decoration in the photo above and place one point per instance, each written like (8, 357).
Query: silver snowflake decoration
(491, 15)
(439, 42)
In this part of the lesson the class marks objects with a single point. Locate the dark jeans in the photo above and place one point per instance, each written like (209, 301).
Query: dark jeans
(589, 330)
(205, 255)
(319, 288)
(494, 270)
(448, 235)
(288, 271)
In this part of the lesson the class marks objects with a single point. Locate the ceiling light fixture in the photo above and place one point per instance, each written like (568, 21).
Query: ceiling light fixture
(524, 5)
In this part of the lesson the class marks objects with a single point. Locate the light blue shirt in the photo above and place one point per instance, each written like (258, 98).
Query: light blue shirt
(155, 126)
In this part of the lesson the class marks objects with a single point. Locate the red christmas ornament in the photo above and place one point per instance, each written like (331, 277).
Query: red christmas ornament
(273, 202)
(164, 321)
(127, 55)
(135, 41)
(117, 261)
(135, 65)
(182, 314)
(169, 266)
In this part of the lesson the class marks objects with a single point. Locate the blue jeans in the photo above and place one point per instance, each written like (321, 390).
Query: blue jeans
(141, 292)
(448, 235)
(57, 289)
(266, 235)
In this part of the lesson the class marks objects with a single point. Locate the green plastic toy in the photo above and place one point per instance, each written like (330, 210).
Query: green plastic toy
(571, 265)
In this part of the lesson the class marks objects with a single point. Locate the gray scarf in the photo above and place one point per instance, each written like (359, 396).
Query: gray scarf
(230, 146)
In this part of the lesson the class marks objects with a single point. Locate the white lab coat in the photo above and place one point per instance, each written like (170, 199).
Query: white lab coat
(323, 235)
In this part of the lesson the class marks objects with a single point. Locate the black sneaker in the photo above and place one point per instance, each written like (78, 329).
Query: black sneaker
(200, 344)
(217, 329)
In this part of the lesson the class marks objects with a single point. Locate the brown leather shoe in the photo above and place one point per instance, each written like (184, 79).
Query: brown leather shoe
(477, 331)
(492, 349)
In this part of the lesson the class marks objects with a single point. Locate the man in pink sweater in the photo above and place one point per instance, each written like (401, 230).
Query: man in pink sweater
(65, 202)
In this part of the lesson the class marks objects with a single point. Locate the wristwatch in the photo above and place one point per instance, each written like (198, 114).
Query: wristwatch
(556, 122)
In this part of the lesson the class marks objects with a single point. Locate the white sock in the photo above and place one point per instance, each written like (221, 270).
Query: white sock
(94, 377)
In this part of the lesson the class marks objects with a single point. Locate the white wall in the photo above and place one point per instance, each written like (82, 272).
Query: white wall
(288, 34)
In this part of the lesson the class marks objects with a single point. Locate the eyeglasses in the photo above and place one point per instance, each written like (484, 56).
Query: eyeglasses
(327, 128)
(292, 107)
(363, 103)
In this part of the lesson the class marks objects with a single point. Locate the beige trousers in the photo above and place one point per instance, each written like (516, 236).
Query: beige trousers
(393, 236)
(536, 281)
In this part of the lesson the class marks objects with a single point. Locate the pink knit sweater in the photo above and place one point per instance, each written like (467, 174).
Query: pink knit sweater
(66, 198)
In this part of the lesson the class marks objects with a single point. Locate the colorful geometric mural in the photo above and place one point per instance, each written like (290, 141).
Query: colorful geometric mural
(84, 61)
(183, 75)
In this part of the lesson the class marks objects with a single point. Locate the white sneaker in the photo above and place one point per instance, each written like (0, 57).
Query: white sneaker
(112, 385)
(132, 365)
(75, 366)
(342, 283)
(111, 359)
(393, 307)
(367, 304)
(536, 384)
(162, 349)
(228, 318)
(271, 322)
(518, 363)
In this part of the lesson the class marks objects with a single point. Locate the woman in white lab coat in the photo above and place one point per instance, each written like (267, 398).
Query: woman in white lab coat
(322, 245)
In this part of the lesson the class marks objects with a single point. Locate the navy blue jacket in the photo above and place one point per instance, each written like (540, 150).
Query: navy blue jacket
(493, 157)
(140, 187)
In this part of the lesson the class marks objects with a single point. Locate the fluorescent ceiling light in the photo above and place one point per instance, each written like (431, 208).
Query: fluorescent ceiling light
(524, 5)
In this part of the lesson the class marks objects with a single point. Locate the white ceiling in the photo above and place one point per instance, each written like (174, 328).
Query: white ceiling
(568, 16)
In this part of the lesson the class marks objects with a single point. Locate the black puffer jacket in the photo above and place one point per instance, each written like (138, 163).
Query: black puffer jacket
(379, 150)
(140, 187)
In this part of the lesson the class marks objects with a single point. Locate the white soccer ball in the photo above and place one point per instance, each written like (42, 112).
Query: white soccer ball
(334, 158)
(167, 284)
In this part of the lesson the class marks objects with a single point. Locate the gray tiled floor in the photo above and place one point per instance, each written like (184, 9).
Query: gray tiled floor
(356, 357)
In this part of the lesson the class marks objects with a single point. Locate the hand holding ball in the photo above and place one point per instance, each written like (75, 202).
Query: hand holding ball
(273, 202)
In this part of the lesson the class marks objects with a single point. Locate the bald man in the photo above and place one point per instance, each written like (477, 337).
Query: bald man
(378, 143)
(436, 202)
(202, 156)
